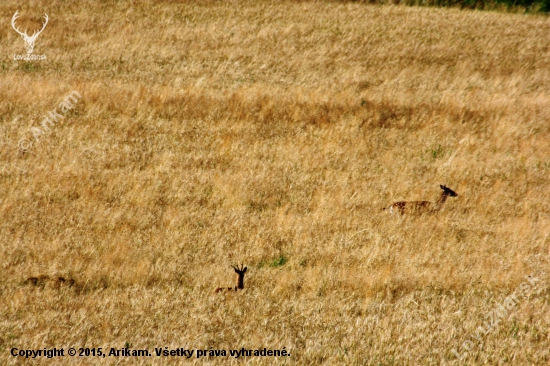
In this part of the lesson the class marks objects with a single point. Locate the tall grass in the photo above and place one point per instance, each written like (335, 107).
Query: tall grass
(528, 6)
(272, 134)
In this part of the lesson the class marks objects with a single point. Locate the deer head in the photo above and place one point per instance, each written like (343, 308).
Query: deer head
(29, 41)
(447, 191)
(240, 271)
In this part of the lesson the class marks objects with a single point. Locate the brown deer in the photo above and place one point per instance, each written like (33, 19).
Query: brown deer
(422, 206)
(240, 281)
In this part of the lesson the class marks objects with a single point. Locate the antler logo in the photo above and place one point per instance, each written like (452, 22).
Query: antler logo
(29, 41)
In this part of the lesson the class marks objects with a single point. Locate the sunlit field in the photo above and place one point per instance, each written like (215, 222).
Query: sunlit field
(209, 134)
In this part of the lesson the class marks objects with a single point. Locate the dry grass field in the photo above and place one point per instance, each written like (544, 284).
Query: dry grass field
(272, 134)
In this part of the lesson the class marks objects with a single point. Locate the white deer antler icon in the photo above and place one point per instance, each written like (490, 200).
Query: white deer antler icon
(29, 41)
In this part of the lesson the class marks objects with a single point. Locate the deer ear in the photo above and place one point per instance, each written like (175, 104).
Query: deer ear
(442, 187)
(244, 270)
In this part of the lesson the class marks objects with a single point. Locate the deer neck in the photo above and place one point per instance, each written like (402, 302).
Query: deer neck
(441, 200)
(240, 281)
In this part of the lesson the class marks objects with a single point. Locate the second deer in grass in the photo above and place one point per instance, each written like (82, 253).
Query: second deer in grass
(422, 206)
(240, 281)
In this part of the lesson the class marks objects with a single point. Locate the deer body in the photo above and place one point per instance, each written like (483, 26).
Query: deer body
(422, 206)
(240, 280)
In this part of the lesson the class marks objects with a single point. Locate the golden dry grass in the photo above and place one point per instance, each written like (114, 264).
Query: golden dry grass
(272, 134)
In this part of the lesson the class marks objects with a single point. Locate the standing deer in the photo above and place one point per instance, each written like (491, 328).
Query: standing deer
(423, 206)
(29, 40)
(240, 281)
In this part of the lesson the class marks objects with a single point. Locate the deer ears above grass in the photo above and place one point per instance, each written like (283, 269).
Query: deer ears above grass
(241, 270)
